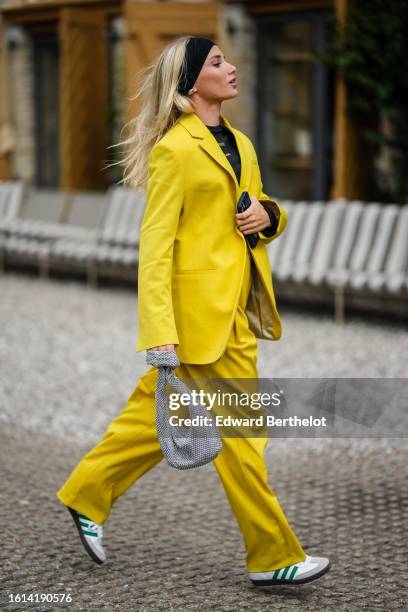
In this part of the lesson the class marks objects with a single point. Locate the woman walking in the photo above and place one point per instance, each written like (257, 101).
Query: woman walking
(203, 292)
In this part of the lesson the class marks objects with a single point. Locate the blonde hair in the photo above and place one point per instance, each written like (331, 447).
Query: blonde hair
(161, 106)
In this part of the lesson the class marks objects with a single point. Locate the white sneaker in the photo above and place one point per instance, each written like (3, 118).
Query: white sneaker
(91, 535)
(298, 573)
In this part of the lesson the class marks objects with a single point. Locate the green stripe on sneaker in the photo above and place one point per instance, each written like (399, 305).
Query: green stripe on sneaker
(90, 533)
(293, 572)
(285, 571)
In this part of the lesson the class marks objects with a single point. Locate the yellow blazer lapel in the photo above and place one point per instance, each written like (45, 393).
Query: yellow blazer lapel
(195, 126)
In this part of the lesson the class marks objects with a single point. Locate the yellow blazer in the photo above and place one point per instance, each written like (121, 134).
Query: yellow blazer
(192, 254)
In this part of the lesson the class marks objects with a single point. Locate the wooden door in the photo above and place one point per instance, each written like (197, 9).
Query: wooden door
(7, 136)
(83, 98)
(150, 26)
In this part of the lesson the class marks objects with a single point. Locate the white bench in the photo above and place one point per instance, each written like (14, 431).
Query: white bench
(114, 247)
(11, 202)
(340, 249)
(343, 249)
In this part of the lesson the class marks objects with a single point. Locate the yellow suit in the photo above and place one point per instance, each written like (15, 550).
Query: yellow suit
(212, 302)
(192, 254)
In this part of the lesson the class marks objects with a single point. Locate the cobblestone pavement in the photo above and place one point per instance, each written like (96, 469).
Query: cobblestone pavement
(68, 365)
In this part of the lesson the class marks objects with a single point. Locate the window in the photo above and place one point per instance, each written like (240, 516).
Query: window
(295, 107)
(117, 93)
(46, 109)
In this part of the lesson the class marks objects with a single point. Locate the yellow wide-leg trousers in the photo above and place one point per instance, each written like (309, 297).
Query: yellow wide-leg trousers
(129, 448)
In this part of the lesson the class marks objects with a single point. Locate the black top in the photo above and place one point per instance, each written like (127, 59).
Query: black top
(226, 140)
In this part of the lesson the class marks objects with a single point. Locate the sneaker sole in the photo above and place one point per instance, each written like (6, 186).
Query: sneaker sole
(88, 549)
(291, 582)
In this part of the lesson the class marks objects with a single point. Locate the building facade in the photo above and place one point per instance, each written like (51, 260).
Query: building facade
(69, 69)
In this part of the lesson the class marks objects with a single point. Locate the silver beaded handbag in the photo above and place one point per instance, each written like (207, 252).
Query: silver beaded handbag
(183, 447)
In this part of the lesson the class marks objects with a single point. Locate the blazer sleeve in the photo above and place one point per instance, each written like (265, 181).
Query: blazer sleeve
(280, 214)
(268, 203)
(164, 200)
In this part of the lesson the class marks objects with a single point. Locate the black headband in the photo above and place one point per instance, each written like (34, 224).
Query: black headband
(197, 50)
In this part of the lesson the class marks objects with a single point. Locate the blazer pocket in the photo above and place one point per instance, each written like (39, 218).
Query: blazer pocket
(199, 271)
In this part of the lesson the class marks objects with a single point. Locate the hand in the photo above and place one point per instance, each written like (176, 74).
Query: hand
(164, 347)
(253, 219)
